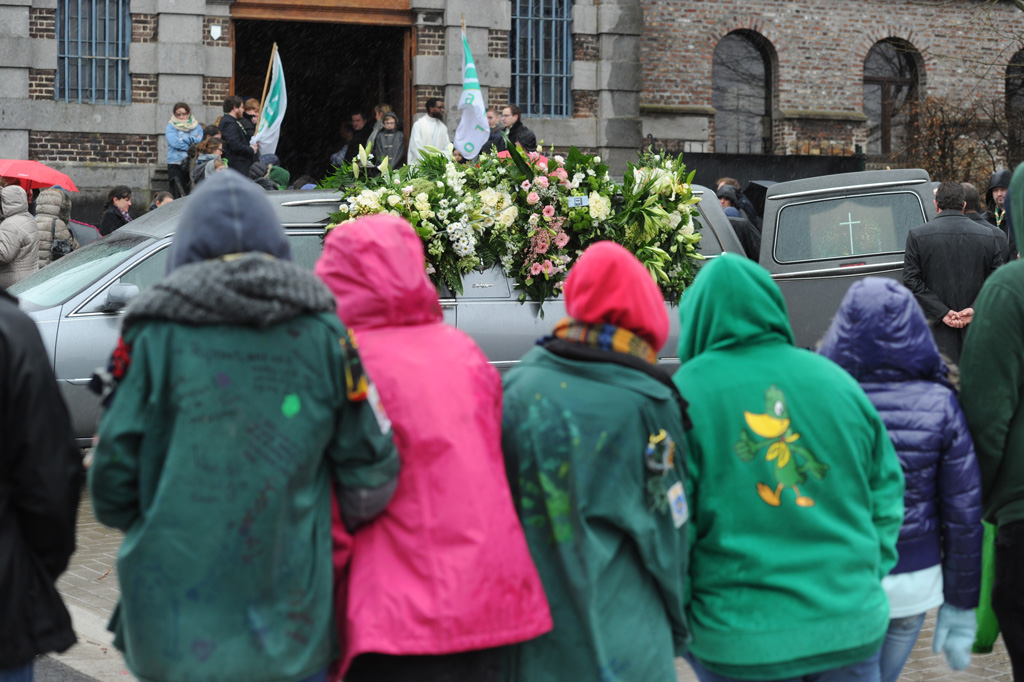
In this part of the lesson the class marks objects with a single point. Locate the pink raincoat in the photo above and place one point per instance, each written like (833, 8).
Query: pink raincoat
(446, 568)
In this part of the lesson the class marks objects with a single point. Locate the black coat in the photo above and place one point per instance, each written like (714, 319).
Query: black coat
(359, 139)
(946, 262)
(390, 144)
(237, 151)
(42, 479)
(520, 134)
(111, 219)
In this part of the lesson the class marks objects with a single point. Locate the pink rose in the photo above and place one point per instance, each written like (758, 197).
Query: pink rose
(541, 182)
(561, 240)
(560, 173)
(532, 198)
(547, 267)
(549, 211)
(535, 268)
(525, 185)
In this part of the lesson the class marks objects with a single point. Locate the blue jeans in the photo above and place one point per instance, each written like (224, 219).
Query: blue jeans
(22, 674)
(899, 642)
(863, 671)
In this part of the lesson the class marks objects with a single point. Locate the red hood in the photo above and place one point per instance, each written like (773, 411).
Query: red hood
(609, 285)
(375, 268)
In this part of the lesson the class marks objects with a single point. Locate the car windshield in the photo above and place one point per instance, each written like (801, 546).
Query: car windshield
(64, 278)
(862, 225)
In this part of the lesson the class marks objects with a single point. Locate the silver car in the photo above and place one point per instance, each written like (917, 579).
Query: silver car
(78, 301)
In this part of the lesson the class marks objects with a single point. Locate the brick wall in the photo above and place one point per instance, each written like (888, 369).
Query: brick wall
(497, 44)
(821, 45)
(584, 103)
(430, 40)
(497, 97)
(225, 31)
(64, 147)
(144, 87)
(41, 83)
(42, 23)
(817, 50)
(423, 93)
(585, 48)
(144, 28)
(215, 90)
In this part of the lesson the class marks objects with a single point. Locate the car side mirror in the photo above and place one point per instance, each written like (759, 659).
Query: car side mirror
(118, 296)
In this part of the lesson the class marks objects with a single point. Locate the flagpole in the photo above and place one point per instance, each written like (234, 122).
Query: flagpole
(266, 83)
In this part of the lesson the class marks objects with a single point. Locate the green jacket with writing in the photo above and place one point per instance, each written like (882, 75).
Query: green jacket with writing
(605, 522)
(216, 457)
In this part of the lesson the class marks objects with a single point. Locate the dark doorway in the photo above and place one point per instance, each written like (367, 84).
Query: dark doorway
(330, 70)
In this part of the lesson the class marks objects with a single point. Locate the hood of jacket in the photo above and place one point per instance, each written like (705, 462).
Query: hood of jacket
(1001, 178)
(880, 334)
(608, 285)
(376, 270)
(1016, 200)
(732, 302)
(13, 200)
(227, 214)
(50, 203)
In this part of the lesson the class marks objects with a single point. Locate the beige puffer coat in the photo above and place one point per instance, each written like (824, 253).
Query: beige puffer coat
(19, 241)
(52, 204)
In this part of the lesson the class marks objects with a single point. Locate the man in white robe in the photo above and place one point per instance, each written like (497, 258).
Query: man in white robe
(429, 131)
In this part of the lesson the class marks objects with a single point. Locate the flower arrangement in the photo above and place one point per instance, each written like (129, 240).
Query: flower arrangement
(532, 215)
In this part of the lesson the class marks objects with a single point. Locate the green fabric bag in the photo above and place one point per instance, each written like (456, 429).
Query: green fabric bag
(988, 627)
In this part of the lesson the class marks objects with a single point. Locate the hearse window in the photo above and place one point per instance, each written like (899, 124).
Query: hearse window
(861, 225)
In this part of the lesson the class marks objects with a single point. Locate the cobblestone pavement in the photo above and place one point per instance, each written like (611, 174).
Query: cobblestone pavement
(90, 588)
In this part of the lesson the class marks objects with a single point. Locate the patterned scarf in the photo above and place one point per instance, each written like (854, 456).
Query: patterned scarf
(187, 125)
(605, 337)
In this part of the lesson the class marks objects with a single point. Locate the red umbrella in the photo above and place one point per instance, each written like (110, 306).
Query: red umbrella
(32, 174)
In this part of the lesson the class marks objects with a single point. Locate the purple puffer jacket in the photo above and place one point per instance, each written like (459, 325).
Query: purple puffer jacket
(880, 336)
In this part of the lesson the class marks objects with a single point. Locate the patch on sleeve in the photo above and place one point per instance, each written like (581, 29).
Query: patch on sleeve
(677, 503)
(373, 398)
(356, 383)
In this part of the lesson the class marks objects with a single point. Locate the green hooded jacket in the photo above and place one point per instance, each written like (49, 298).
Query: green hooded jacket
(796, 492)
(609, 549)
(992, 374)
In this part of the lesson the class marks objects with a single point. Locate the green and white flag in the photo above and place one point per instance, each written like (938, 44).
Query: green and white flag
(473, 129)
(269, 130)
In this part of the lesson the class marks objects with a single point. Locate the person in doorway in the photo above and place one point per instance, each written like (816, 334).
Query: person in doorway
(115, 210)
(238, 151)
(183, 131)
(19, 239)
(236, 402)
(946, 261)
(360, 135)
(593, 434)
(880, 336)
(428, 131)
(346, 132)
(250, 116)
(378, 124)
(795, 488)
(390, 142)
(41, 483)
(517, 132)
(444, 577)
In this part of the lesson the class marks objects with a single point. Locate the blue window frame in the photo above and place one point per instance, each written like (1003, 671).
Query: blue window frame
(93, 37)
(540, 47)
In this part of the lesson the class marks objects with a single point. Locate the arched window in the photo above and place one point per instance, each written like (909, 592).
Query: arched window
(1015, 109)
(890, 87)
(540, 49)
(741, 93)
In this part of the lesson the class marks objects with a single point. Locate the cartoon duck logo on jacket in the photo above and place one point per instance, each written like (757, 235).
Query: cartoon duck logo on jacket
(789, 463)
